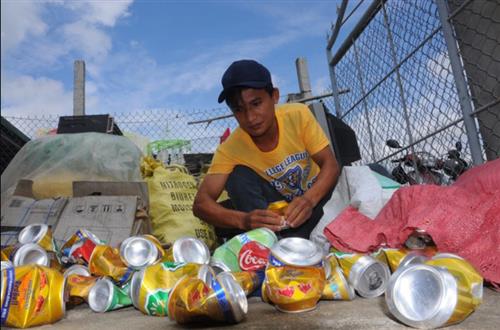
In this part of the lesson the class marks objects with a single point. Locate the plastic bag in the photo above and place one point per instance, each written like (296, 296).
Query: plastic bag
(171, 195)
(54, 162)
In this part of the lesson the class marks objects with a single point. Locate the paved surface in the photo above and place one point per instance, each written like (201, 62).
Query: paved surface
(360, 313)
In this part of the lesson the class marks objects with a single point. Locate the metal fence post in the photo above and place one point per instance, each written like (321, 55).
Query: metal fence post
(460, 82)
(360, 77)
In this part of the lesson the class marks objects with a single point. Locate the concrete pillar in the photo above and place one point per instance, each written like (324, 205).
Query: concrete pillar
(303, 77)
(79, 88)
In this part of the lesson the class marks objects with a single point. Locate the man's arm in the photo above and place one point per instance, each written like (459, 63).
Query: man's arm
(300, 208)
(206, 207)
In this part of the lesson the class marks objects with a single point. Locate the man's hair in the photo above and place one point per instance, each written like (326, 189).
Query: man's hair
(233, 95)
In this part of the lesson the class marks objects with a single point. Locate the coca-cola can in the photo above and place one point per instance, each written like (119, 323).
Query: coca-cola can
(253, 256)
(190, 250)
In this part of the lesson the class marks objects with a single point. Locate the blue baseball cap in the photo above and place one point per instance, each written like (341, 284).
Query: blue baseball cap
(244, 73)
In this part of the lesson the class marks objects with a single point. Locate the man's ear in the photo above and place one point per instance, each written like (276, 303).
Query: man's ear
(276, 95)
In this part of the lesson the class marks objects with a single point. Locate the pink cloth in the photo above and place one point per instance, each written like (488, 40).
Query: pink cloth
(463, 219)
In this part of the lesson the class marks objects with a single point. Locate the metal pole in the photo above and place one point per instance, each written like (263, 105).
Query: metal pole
(365, 106)
(79, 88)
(335, 87)
(460, 82)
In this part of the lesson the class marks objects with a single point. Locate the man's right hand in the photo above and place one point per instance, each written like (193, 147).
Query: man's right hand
(263, 218)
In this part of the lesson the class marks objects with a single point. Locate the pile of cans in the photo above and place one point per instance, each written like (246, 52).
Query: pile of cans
(187, 284)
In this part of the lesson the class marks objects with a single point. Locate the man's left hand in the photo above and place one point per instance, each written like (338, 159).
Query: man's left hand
(298, 211)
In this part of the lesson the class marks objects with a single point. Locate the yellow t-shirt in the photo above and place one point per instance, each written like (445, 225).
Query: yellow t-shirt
(289, 167)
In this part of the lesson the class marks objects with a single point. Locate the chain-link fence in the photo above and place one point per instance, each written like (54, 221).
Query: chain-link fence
(192, 132)
(425, 73)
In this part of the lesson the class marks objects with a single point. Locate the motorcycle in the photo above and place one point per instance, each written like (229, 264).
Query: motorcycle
(427, 168)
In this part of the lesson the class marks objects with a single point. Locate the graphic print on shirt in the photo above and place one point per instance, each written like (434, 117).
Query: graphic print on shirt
(290, 176)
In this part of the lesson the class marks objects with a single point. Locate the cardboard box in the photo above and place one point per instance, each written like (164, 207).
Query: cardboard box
(22, 209)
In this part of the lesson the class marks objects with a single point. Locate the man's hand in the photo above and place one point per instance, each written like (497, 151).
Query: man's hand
(263, 218)
(298, 211)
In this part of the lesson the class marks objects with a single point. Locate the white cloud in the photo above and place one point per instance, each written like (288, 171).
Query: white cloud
(25, 95)
(20, 19)
(87, 39)
(101, 12)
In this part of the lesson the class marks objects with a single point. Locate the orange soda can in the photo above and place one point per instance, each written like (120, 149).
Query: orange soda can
(336, 287)
(248, 280)
(463, 272)
(150, 287)
(106, 261)
(40, 234)
(31, 295)
(193, 300)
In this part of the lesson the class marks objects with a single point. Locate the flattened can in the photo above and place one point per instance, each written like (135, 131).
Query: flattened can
(138, 252)
(425, 296)
(190, 250)
(79, 235)
(40, 234)
(278, 207)
(219, 266)
(193, 300)
(105, 296)
(34, 295)
(150, 287)
(106, 261)
(367, 275)
(78, 288)
(337, 288)
(77, 270)
(30, 253)
(330, 263)
(464, 273)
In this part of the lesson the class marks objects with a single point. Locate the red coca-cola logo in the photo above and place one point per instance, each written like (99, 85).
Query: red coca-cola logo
(253, 256)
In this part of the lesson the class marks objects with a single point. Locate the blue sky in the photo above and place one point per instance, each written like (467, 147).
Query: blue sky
(152, 54)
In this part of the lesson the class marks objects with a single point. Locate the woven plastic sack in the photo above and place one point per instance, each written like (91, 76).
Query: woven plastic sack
(171, 195)
(54, 162)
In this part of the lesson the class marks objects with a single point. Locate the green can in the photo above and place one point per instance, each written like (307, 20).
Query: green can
(105, 296)
(228, 252)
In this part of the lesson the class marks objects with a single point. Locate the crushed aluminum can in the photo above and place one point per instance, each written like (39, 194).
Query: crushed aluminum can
(367, 275)
(30, 253)
(395, 258)
(330, 263)
(40, 234)
(150, 287)
(77, 270)
(6, 264)
(193, 300)
(278, 207)
(191, 250)
(219, 266)
(248, 280)
(32, 295)
(253, 256)
(105, 296)
(295, 276)
(229, 252)
(464, 272)
(138, 252)
(425, 296)
(419, 240)
(78, 288)
(336, 287)
(106, 261)
(80, 235)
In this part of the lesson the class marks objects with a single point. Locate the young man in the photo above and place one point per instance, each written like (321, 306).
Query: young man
(276, 153)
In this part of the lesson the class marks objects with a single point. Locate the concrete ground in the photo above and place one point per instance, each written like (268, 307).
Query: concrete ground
(360, 313)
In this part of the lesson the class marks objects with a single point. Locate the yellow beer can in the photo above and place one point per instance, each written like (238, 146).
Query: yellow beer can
(40, 234)
(278, 207)
(464, 272)
(367, 275)
(248, 280)
(78, 288)
(150, 287)
(330, 263)
(32, 295)
(395, 258)
(106, 261)
(428, 296)
(337, 288)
